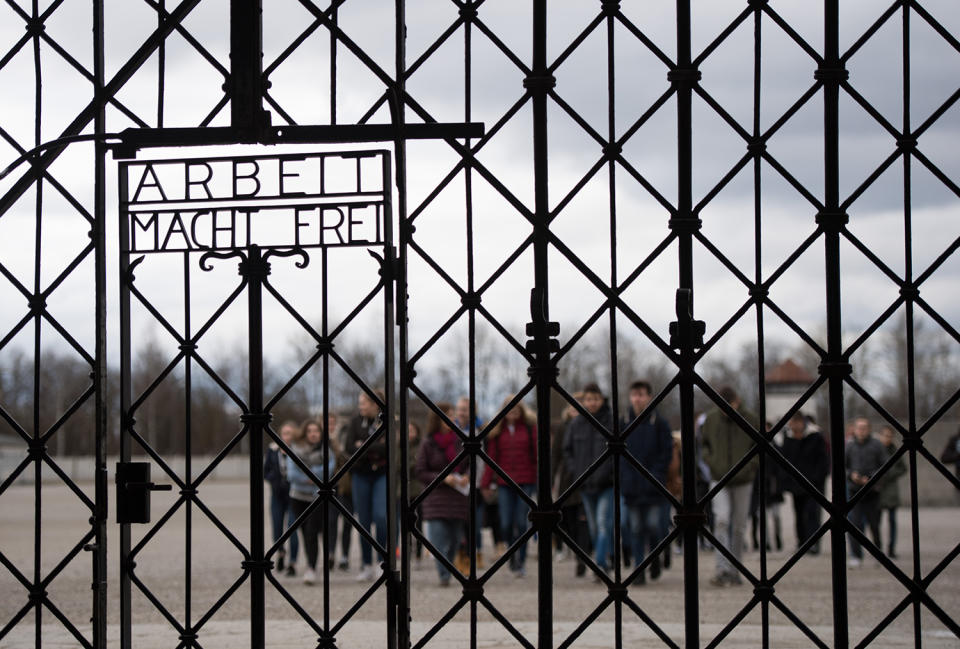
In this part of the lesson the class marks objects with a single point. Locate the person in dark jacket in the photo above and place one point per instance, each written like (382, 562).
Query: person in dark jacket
(888, 499)
(864, 457)
(951, 455)
(445, 507)
(573, 519)
(512, 445)
(806, 450)
(275, 473)
(651, 444)
(582, 445)
(368, 477)
(319, 452)
(725, 443)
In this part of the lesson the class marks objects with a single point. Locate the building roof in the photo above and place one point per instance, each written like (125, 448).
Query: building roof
(788, 372)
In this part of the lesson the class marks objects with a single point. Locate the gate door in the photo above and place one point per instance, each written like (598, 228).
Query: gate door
(209, 248)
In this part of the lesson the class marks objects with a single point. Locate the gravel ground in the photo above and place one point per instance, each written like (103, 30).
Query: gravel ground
(161, 565)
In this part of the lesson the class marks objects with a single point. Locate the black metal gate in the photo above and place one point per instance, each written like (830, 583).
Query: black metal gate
(660, 83)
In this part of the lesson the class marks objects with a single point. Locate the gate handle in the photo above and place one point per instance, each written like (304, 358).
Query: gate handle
(151, 486)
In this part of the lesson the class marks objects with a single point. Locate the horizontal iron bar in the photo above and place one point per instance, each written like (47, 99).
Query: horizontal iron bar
(133, 139)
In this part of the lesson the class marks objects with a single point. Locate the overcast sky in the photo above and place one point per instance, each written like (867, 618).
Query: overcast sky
(301, 86)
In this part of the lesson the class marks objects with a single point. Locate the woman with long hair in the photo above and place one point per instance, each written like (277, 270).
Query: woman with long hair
(318, 451)
(445, 507)
(512, 445)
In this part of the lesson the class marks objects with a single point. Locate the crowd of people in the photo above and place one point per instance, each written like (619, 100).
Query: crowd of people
(583, 480)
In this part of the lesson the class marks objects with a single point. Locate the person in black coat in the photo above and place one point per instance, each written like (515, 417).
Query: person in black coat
(582, 445)
(651, 444)
(805, 448)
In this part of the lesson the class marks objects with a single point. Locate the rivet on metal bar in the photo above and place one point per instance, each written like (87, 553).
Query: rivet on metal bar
(189, 346)
(188, 637)
(757, 146)
(616, 446)
(684, 520)
(37, 595)
(37, 303)
(35, 26)
(547, 370)
(611, 150)
(539, 84)
(188, 491)
(759, 292)
(473, 446)
(263, 565)
(910, 292)
(473, 589)
(262, 418)
(831, 75)
(468, 12)
(685, 224)
(610, 7)
(250, 269)
(327, 492)
(832, 219)
(36, 450)
(907, 143)
(758, 4)
(618, 592)
(840, 370)
(684, 76)
(544, 520)
(325, 346)
(764, 592)
(326, 641)
(912, 442)
(470, 300)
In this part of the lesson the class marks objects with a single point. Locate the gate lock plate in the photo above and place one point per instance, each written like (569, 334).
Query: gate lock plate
(133, 492)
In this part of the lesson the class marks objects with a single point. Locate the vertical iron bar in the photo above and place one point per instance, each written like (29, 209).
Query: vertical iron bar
(395, 438)
(912, 434)
(684, 227)
(126, 416)
(100, 344)
(473, 524)
(406, 235)
(187, 452)
(539, 86)
(255, 270)
(832, 221)
(246, 68)
(38, 449)
(614, 373)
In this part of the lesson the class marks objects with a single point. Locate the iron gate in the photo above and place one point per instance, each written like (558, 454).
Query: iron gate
(399, 112)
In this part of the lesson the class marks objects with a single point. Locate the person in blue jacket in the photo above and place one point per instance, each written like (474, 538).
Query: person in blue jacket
(651, 444)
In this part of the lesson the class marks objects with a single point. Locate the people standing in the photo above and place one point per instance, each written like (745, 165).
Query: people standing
(461, 417)
(275, 473)
(951, 455)
(582, 445)
(414, 486)
(725, 443)
(651, 444)
(319, 453)
(768, 490)
(888, 499)
(573, 519)
(512, 445)
(806, 450)
(864, 457)
(445, 507)
(368, 477)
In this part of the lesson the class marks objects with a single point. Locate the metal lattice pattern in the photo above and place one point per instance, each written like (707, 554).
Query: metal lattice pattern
(679, 86)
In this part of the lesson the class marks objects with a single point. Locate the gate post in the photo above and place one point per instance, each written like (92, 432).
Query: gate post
(254, 270)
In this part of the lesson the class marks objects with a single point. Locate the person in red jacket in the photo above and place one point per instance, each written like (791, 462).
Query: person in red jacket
(513, 446)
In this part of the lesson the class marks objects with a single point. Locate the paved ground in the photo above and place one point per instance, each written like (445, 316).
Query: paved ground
(805, 590)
